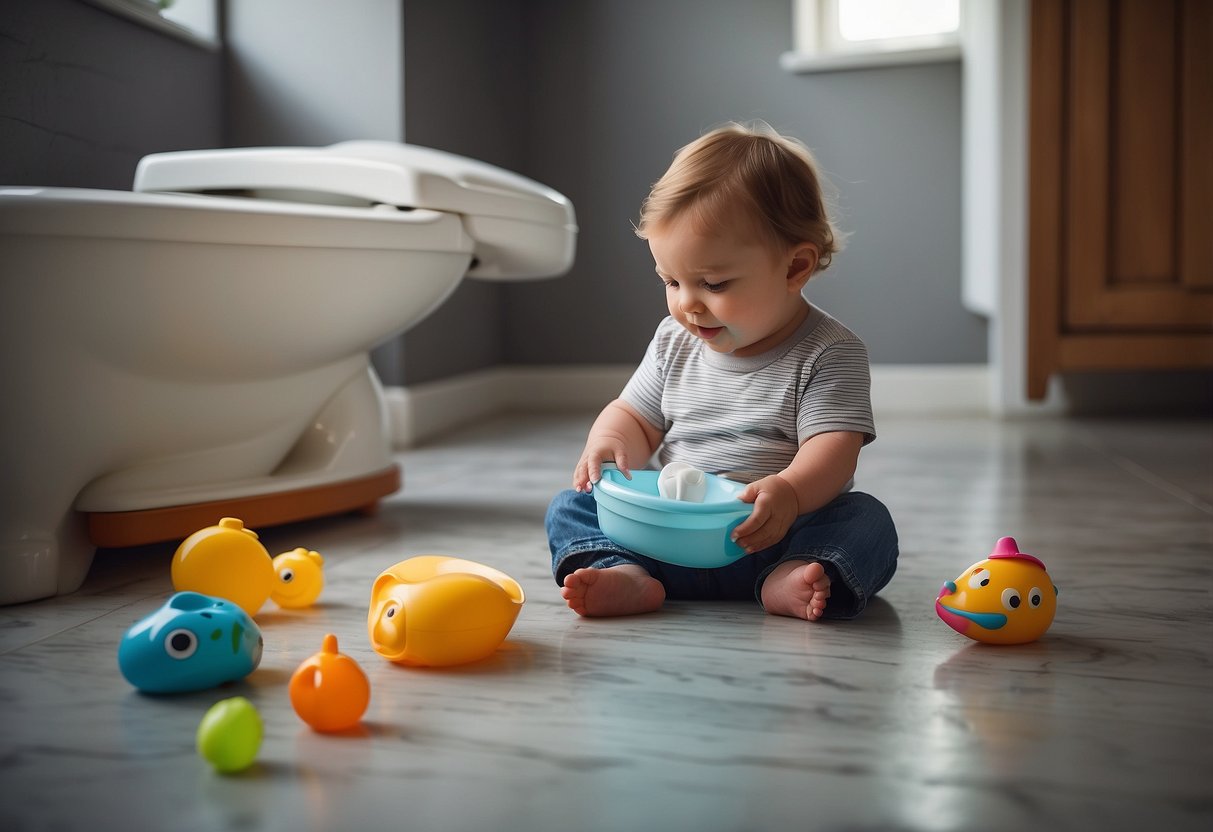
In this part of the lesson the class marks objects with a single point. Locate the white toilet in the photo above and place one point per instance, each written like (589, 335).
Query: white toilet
(199, 347)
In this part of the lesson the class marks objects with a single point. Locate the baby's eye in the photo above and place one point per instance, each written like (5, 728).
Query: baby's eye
(670, 284)
(715, 287)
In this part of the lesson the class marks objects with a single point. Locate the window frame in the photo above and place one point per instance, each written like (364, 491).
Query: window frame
(818, 45)
(149, 13)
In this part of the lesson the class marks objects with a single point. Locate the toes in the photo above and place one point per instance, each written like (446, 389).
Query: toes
(814, 574)
(578, 579)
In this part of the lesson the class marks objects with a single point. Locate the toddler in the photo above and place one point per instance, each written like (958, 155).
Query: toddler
(744, 379)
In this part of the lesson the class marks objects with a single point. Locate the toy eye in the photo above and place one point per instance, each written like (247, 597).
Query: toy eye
(286, 575)
(1035, 596)
(979, 578)
(180, 644)
(390, 612)
(1010, 598)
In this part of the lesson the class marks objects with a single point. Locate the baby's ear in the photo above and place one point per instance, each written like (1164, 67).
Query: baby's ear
(803, 265)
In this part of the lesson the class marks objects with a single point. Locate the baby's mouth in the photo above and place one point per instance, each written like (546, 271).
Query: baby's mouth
(707, 333)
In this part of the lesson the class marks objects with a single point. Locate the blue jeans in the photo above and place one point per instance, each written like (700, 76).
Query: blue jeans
(853, 537)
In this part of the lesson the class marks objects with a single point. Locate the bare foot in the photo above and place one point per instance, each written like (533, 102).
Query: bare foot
(618, 590)
(797, 589)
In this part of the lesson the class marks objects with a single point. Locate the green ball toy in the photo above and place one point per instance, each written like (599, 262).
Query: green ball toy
(229, 735)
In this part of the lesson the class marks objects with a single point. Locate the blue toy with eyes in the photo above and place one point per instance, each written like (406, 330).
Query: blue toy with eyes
(193, 642)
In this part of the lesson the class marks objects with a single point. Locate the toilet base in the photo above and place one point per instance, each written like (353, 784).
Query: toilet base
(134, 528)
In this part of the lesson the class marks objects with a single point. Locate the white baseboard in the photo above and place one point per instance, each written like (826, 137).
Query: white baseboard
(421, 411)
(931, 389)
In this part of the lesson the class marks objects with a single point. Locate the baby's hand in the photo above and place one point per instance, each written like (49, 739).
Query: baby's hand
(589, 467)
(775, 508)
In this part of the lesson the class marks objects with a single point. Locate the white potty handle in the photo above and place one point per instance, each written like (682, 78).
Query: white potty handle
(679, 481)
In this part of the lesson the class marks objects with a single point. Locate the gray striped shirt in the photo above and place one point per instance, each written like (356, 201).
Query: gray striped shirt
(745, 418)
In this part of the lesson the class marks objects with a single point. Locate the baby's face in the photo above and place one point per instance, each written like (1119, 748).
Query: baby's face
(731, 291)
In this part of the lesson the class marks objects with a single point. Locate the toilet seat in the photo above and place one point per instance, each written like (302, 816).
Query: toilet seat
(520, 228)
(191, 218)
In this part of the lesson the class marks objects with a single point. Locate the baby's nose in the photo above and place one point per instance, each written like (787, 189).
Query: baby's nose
(691, 303)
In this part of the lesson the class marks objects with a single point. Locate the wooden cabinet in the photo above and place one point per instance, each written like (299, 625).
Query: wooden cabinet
(1120, 207)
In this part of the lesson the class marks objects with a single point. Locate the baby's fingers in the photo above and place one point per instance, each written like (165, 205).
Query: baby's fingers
(621, 462)
(594, 467)
(581, 477)
(595, 470)
(744, 528)
(618, 458)
(756, 520)
(758, 541)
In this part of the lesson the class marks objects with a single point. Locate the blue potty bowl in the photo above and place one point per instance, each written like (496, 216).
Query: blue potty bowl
(634, 515)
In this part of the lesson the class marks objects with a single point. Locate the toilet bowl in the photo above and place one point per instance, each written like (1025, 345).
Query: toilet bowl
(202, 344)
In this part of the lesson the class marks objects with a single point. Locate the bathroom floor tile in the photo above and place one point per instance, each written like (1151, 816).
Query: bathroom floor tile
(708, 716)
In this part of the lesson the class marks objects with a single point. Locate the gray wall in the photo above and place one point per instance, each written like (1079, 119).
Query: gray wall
(85, 94)
(594, 97)
(312, 72)
(466, 90)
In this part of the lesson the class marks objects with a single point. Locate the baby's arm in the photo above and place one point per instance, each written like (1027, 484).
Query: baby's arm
(821, 468)
(619, 434)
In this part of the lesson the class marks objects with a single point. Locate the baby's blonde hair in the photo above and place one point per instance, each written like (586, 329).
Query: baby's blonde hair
(751, 172)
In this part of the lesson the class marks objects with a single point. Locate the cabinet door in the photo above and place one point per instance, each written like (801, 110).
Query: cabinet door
(1140, 159)
(1121, 190)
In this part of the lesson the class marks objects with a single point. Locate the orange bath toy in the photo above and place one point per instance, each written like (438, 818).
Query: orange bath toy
(438, 611)
(225, 560)
(299, 578)
(329, 691)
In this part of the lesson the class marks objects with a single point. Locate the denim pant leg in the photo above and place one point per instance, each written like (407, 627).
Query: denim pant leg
(854, 538)
(575, 539)
(577, 542)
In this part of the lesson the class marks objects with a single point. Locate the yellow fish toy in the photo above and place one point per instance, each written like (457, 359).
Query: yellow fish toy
(1008, 598)
(437, 611)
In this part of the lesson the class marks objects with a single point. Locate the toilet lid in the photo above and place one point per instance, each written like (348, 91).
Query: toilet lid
(402, 175)
(522, 228)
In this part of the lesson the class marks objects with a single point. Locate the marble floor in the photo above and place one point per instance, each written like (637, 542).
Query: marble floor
(703, 716)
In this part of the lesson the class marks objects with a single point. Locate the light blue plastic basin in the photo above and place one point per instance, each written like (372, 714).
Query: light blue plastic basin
(633, 514)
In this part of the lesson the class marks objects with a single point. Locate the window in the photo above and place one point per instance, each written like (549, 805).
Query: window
(842, 34)
(196, 21)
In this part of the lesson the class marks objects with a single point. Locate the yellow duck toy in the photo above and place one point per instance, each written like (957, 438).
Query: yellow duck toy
(1008, 598)
(300, 577)
(437, 611)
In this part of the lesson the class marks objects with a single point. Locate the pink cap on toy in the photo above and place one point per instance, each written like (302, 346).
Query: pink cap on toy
(1006, 547)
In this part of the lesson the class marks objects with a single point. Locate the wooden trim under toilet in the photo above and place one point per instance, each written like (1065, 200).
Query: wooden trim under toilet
(114, 529)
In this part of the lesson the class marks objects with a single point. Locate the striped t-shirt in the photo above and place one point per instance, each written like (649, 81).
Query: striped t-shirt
(745, 418)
